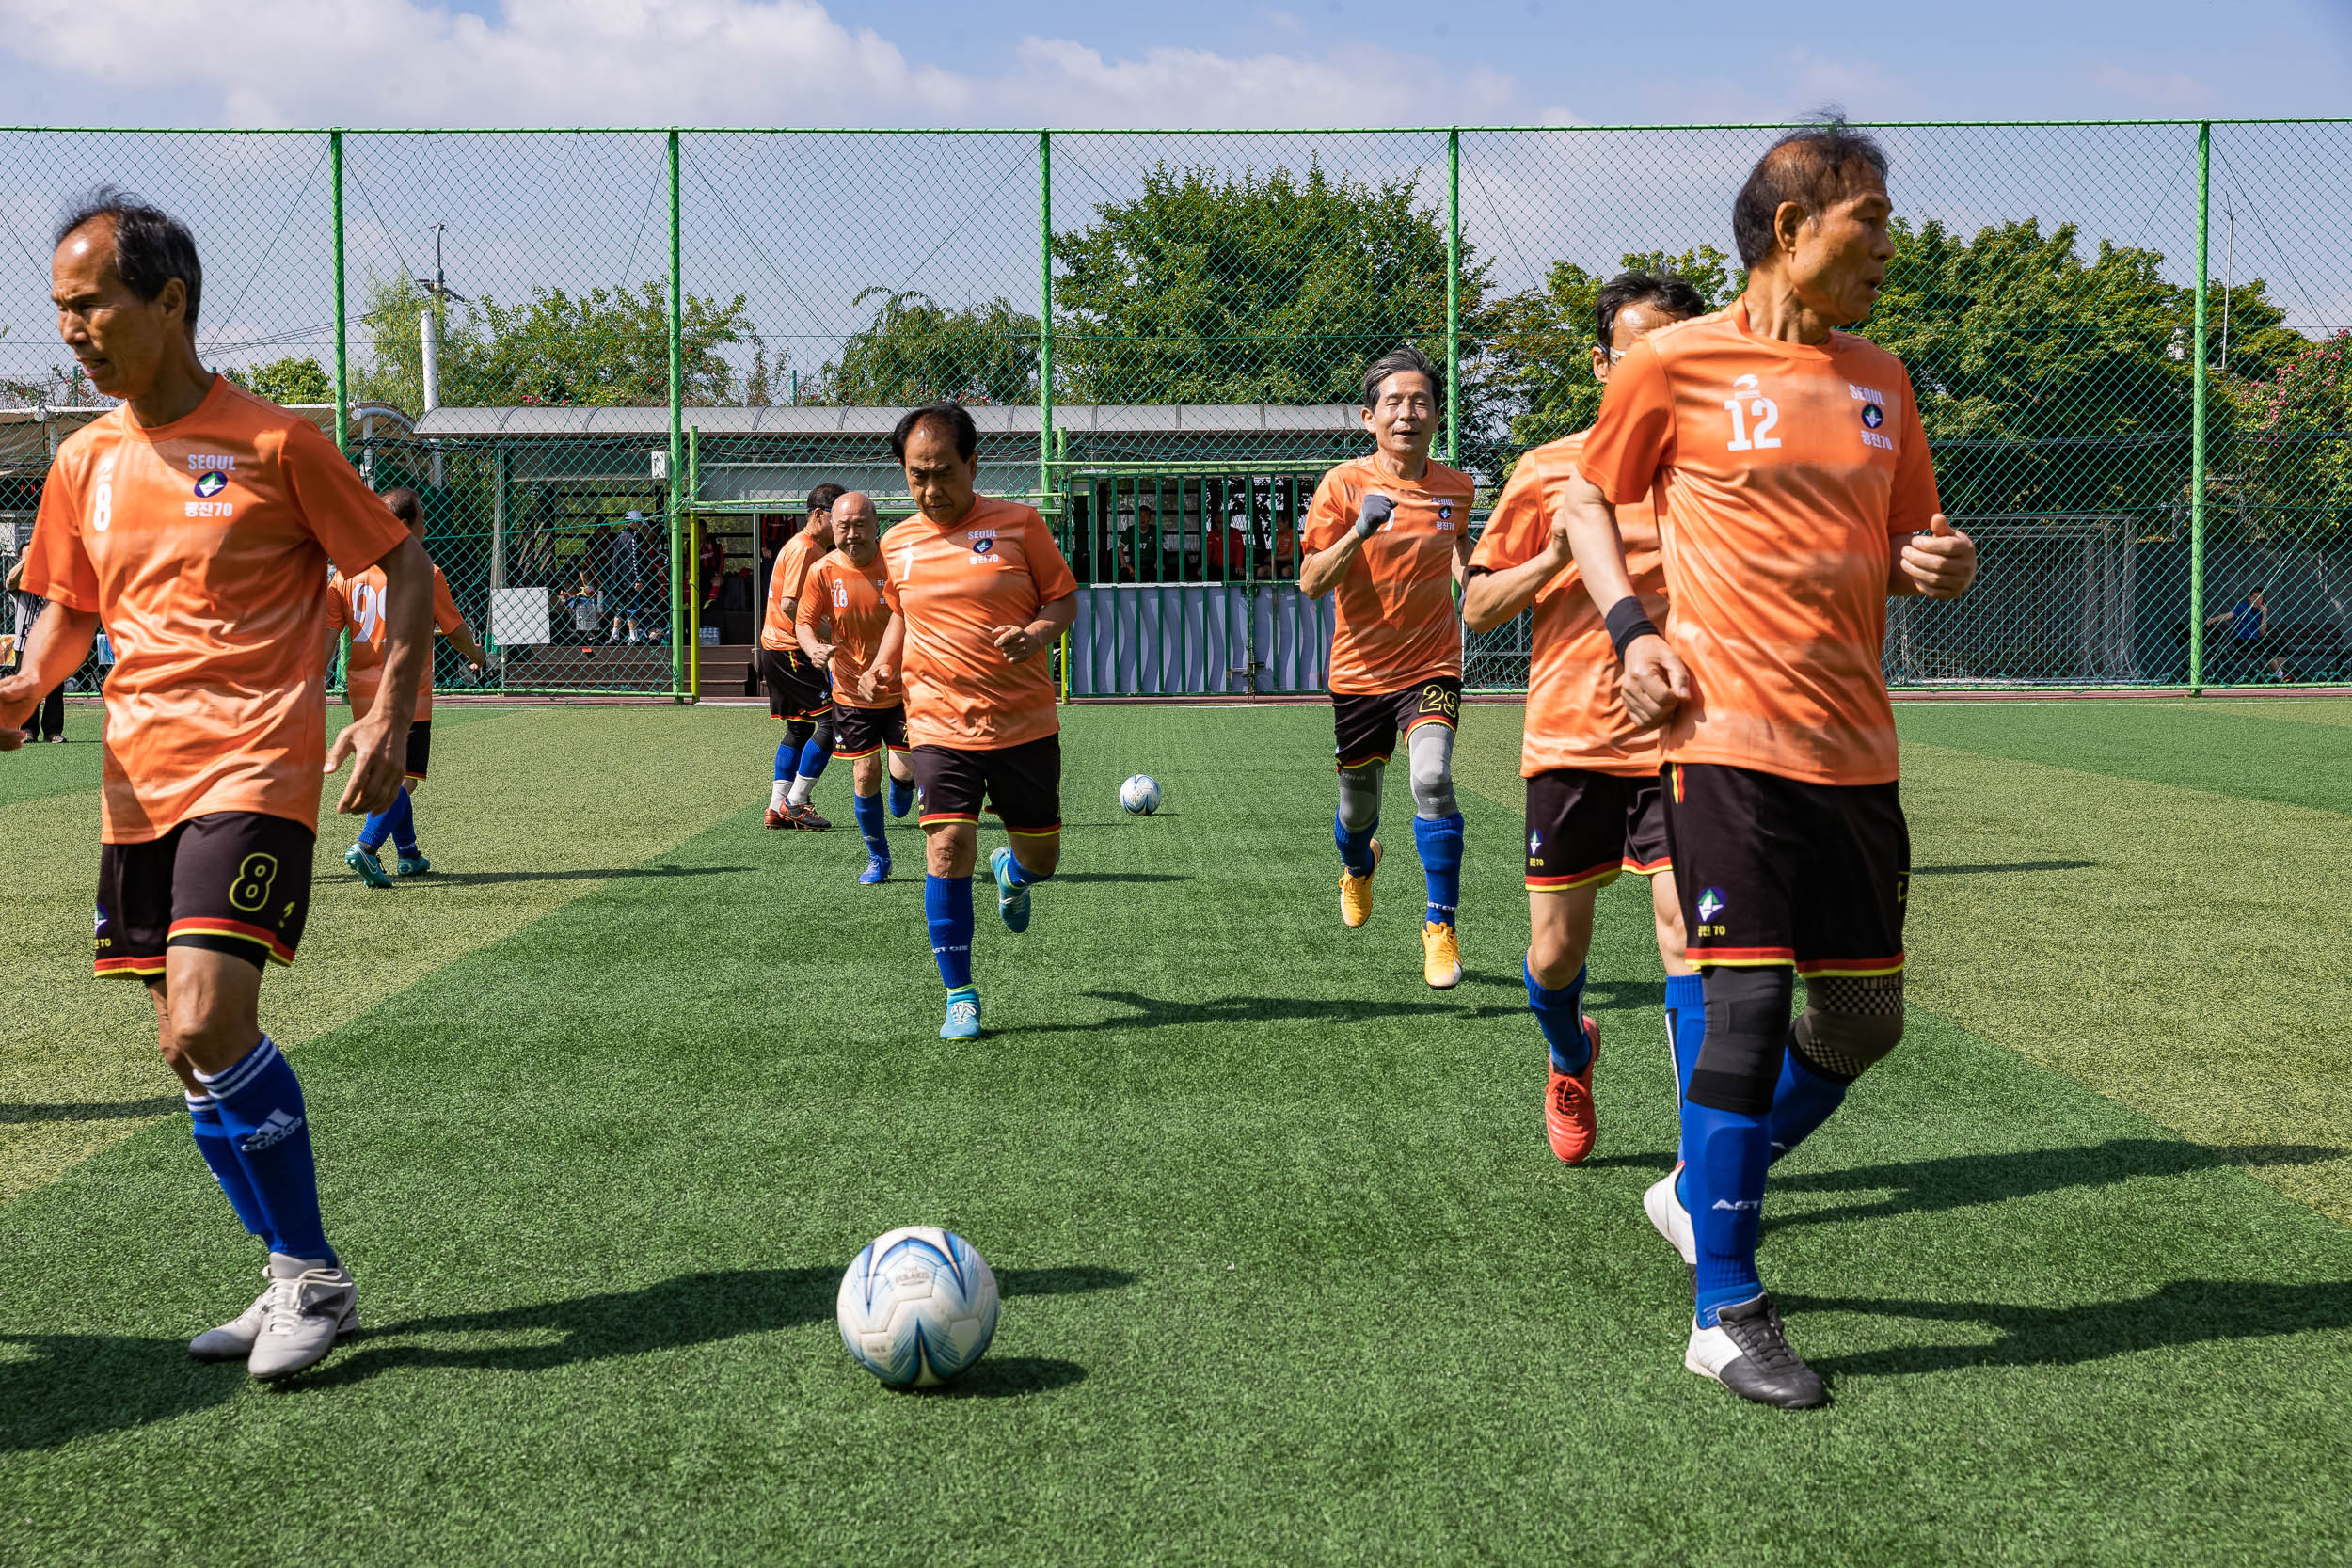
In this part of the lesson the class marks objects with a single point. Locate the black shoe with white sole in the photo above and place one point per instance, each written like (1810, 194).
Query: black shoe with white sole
(1747, 1352)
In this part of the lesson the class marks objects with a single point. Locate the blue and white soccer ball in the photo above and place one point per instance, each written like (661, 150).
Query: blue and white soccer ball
(918, 1306)
(1140, 795)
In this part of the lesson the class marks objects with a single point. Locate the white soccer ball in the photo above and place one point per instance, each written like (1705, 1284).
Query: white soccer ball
(918, 1306)
(1140, 795)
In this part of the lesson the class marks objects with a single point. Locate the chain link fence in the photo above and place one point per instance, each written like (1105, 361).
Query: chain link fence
(615, 362)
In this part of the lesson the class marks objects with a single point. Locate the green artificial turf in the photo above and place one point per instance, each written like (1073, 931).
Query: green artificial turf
(1290, 1275)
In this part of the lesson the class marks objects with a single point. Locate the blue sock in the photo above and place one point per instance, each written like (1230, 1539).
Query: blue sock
(1020, 876)
(867, 809)
(1723, 1188)
(1439, 841)
(1801, 1102)
(403, 823)
(377, 829)
(787, 759)
(947, 909)
(1560, 1014)
(1686, 1030)
(901, 796)
(211, 1141)
(1355, 845)
(814, 756)
(260, 1110)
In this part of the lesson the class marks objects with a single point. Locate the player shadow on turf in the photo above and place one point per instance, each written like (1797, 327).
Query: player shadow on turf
(2182, 1313)
(1993, 869)
(99, 1109)
(1123, 877)
(478, 879)
(1964, 1181)
(1151, 1012)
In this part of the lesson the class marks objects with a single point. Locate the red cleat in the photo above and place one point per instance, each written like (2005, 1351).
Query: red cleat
(1568, 1105)
(777, 818)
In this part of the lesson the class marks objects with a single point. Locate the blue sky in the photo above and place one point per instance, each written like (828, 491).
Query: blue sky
(1207, 63)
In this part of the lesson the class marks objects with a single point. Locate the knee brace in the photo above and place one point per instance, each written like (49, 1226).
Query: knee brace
(1849, 1023)
(1747, 1031)
(1430, 751)
(1359, 795)
(822, 733)
(798, 731)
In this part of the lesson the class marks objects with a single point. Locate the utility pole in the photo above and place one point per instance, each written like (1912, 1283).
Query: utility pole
(429, 335)
(2229, 279)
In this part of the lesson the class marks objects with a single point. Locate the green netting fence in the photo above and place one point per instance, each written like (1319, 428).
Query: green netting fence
(615, 362)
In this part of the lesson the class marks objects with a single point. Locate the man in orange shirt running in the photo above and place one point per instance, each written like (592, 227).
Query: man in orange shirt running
(978, 593)
(1797, 494)
(1387, 536)
(843, 614)
(1594, 809)
(797, 690)
(358, 607)
(196, 521)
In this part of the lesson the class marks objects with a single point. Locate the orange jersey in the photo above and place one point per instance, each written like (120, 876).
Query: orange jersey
(794, 562)
(846, 605)
(203, 545)
(1784, 474)
(1574, 718)
(1396, 624)
(956, 584)
(358, 606)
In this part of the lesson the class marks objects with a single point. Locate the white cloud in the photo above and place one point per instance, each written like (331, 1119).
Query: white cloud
(2174, 90)
(710, 62)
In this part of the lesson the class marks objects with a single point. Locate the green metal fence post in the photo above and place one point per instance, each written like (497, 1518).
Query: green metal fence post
(680, 558)
(1453, 297)
(2197, 421)
(1045, 317)
(343, 336)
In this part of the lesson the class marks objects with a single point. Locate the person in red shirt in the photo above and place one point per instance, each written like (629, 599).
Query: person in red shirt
(978, 593)
(843, 612)
(1796, 493)
(797, 692)
(1387, 536)
(358, 607)
(1594, 807)
(198, 522)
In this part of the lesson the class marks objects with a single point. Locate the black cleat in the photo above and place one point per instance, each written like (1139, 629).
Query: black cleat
(1747, 1352)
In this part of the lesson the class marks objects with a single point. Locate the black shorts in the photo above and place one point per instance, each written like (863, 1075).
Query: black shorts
(232, 881)
(1775, 871)
(1022, 784)
(797, 690)
(1585, 826)
(1367, 725)
(860, 732)
(419, 749)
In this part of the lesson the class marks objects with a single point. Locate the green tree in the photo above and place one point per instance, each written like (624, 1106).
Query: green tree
(1273, 288)
(287, 381)
(916, 350)
(1539, 356)
(2292, 441)
(607, 347)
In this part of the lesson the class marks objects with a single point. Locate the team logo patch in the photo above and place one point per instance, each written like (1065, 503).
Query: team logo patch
(1534, 844)
(983, 547)
(1872, 415)
(1710, 903)
(211, 483)
(1445, 512)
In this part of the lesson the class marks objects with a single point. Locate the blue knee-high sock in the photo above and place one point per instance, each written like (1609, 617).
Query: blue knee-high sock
(1801, 1101)
(787, 759)
(1560, 1014)
(902, 797)
(1724, 1187)
(261, 1109)
(403, 823)
(211, 1141)
(1439, 841)
(377, 828)
(867, 809)
(1020, 876)
(947, 909)
(1686, 1030)
(1355, 845)
(814, 756)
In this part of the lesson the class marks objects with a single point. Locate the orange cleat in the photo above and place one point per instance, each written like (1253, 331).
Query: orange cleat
(806, 818)
(777, 818)
(1568, 1105)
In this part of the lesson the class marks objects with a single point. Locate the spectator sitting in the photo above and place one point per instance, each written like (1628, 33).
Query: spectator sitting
(587, 607)
(2248, 621)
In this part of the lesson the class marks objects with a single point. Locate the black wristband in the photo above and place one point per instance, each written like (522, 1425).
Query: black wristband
(1626, 620)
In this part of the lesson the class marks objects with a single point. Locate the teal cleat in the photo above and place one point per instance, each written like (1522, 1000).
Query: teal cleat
(363, 860)
(964, 1016)
(412, 865)
(877, 870)
(1013, 902)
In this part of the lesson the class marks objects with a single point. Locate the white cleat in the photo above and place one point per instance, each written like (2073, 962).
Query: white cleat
(307, 1309)
(1663, 1206)
(1748, 1353)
